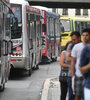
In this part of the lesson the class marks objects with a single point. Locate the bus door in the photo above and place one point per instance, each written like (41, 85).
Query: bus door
(52, 36)
(56, 43)
(32, 39)
(34, 43)
(48, 38)
(38, 30)
(60, 29)
(55, 38)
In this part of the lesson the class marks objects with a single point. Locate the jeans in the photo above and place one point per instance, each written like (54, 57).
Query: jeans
(71, 96)
(64, 87)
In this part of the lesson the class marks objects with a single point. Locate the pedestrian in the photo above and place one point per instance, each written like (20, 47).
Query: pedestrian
(85, 70)
(76, 38)
(77, 77)
(63, 64)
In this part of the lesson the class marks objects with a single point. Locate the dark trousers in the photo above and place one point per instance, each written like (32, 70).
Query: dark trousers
(71, 96)
(64, 87)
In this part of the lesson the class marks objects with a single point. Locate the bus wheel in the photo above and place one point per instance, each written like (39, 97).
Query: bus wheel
(2, 87)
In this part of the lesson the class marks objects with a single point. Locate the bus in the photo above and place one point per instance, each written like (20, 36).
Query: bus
(50, 35)
(27, 38)
(5, 42)
(70, 25)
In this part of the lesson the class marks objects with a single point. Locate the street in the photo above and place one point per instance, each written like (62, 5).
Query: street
(21, 87)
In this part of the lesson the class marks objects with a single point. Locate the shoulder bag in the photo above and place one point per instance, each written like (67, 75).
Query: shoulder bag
(63, 75)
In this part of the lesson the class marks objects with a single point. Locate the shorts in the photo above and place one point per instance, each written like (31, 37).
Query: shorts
(79, 85)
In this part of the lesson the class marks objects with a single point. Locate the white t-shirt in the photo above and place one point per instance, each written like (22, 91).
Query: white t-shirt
(76, 52)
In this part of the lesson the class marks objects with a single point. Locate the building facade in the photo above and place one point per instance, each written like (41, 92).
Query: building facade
(66, 12)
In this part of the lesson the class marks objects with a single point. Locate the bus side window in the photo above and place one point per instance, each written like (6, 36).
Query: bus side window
(88, 24)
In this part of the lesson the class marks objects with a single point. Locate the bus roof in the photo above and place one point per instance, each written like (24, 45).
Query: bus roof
(18, 2)
(66, 18)
(51, 14)
(75, 18)
(81, 19)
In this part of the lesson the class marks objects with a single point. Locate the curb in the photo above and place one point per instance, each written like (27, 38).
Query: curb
(45, 89)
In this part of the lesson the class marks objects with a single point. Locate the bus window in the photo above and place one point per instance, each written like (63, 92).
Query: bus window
(34, 30)
(88, 24)
(28, 25)
(16, 9)
(7, 26)
(85, 24)
(32, 17)
(38, 28)
(82, 25)
(51, 27)
(48, 27)
(77, 26)
(66, 25)
(56, 28)
(31, 31)
(38, 31)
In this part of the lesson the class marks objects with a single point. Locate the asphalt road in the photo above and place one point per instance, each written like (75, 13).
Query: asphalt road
(21, 87)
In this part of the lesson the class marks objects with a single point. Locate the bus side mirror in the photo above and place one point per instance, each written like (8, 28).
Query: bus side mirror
(62, 29)
(14, 23)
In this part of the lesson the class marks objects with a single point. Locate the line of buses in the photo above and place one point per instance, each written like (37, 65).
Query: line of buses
(29, 35)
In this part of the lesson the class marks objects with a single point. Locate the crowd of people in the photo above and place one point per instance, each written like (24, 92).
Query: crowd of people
(76, 57)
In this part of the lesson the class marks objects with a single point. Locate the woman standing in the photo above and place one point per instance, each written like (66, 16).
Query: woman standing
(64, 64)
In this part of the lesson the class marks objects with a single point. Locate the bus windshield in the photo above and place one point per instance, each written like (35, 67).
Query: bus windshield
(66, 25)
(17, 12)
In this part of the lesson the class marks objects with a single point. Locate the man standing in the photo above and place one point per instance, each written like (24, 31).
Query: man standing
(76, 38)
(76, 52)
(85, 69)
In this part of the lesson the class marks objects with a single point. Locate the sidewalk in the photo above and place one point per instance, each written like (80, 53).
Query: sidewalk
(51, 89)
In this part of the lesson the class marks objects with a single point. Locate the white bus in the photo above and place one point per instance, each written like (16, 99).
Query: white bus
(26, 39)
(5, 42)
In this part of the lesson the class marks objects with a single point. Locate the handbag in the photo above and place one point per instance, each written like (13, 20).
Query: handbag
(63, 75)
